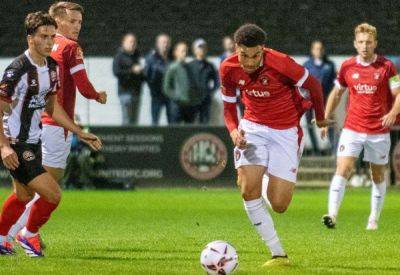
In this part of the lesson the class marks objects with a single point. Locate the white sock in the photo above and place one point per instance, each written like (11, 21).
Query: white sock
(27, 234)
(336, 193)
(2, 239)
(23, 219)
(378, 192)
(264, 189)
(264, 225)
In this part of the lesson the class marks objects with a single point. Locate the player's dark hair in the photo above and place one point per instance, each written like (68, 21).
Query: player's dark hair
(35, 20)
(250, 35)
(60, 8)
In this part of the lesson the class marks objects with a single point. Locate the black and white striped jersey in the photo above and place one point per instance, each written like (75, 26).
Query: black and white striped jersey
(26, 86)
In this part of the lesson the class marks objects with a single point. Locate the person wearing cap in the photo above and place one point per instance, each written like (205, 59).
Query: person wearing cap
(204, 80)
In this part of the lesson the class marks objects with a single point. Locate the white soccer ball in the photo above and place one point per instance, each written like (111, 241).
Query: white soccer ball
(219, 257)
(356, 181)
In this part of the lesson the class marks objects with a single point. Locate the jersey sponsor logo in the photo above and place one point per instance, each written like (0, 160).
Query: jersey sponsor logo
(28, 155)
(237, 155)
(203, 156)
(53, 76)
(256, 93)
(355, 76)
(33, 83)
(264, 80)
(10, 73)
(365, 88)
(39, 101)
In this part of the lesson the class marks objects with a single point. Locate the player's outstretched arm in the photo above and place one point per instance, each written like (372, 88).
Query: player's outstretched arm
(54, 109)
(8, 155)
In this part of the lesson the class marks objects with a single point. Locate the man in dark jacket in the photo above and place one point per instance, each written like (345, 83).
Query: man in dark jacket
(324, 70)
(127, 68)
(156, 66)
(204, 80)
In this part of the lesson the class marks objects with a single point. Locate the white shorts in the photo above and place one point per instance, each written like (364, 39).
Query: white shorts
(278, 150)
(55, 147)
(376, 147)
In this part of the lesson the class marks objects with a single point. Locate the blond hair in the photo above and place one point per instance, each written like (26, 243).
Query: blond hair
(366, 28)
(59, 9)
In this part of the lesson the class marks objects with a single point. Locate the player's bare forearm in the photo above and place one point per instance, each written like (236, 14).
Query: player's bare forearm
(60, 116)
(333, 101)
(396, 105)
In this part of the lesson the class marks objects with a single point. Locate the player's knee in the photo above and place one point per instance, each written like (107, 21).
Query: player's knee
(279, 207)
(24, 197)
(53, 197)
(344, 171)
(249, 194)
(377, 177)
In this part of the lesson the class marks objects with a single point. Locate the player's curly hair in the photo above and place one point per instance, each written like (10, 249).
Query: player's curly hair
(60, 8)
(250, 35)
(35, 20)
(366, 28)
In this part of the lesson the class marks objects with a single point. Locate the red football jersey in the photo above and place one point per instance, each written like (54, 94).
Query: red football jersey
(270, 95)
(69, 57)
(370, 96)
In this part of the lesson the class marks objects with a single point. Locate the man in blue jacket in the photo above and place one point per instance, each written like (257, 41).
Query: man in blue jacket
(156, 66)
(324, 70)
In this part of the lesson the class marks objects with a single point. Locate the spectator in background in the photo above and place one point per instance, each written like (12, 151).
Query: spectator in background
(156, 65)
(204, 79)
(177, 86)
(324, 70)
(229, 47)
(127, 68)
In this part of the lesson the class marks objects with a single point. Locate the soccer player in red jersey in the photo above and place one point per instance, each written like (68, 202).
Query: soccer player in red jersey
(56, 141)
(268, 138)
(374, 102)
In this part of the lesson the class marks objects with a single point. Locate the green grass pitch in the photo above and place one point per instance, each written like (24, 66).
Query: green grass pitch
(162, 231)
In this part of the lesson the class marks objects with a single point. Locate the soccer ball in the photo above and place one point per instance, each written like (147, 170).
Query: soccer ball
(219, 257)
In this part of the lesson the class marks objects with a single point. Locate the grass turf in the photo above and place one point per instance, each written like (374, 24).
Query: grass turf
(162, 231)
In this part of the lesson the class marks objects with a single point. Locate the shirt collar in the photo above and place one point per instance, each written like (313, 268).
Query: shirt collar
(28, 55)
(366, 63)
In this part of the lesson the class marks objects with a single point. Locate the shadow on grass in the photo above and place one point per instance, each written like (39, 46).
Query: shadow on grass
(145, 259)
(141, 250)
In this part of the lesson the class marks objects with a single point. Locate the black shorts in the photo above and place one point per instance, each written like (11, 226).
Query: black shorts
(30, 162)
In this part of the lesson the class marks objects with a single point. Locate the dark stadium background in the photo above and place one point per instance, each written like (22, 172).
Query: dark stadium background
(291, 25)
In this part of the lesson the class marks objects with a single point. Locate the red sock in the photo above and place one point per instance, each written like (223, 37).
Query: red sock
(40, 214)
(12, 210)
